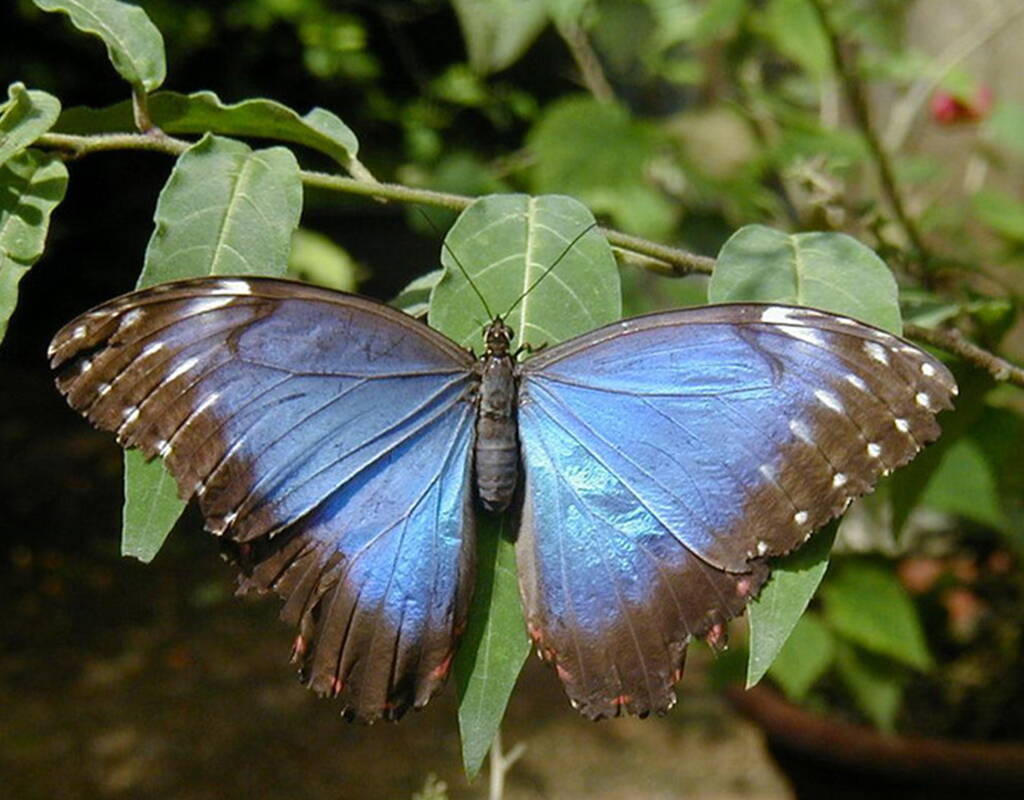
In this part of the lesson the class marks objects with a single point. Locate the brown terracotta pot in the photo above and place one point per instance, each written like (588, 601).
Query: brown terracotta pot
(825, 758)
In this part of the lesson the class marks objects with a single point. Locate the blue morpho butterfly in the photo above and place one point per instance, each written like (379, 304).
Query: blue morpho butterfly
(654, 463)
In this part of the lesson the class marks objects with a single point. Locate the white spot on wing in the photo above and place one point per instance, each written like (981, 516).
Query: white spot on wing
(767, 471)
(839, 479)
(151, 348)
(874, 450)
(901, 425)
(924, 400)
(800, 518)
(102, 389)
(78, 332)
(856, 382)
(927, 370)
(85, 366)
(779, 315)
(828, 399)
(762, 547)
(131, 413)
(203, 304)
(130, 319)
(876, 352)
(232, 286)
(181, 369)
(163, 447)
(801, 431)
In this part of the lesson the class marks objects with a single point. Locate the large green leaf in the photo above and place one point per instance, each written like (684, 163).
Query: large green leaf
(31, 186)
(505, 243)
(204, 112)
(225, 210)
(830, 271)
(777, 610)
(27, 115)
(497, 32)
(134, 45)
(495, 644)
(865, 603)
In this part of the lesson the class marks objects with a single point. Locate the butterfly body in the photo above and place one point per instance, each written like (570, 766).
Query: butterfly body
(336, 442)
(496, 453)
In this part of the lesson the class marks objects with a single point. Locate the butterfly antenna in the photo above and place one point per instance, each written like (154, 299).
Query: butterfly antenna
(554, 264)
(462, 269)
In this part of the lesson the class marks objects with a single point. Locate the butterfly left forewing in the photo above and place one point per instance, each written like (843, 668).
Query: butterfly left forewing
(327, 437)
(672, 453)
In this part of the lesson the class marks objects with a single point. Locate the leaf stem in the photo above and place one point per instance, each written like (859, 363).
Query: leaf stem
(953, 341)
(501, 763)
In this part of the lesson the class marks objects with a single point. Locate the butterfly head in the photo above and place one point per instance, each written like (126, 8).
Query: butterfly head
(498, 337)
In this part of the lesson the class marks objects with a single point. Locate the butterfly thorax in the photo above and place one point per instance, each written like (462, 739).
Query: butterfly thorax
(496, 460)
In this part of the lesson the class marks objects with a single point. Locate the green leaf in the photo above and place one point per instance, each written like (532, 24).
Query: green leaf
(874, 683)
(31, 186)
(865, 603)
(497, 32)
(796, 30)
(204, 112)
(807, 655)
(1001, 212)
(27, 115)
(225, 210)
(151, 506)
(414, 299)
(599, 154)
(134, 45)
(505, 243)
(317, 259)
(777, 610)
(830, 271)
(494, 647)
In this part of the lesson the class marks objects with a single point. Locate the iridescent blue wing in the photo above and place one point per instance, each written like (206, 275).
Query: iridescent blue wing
(328, 436)
(667, 456)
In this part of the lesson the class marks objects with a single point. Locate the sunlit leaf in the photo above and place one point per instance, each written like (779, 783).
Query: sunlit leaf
(830, 271)
(31, 186)
(776, 612)
(494, 647)
(505, 243)
(27, 115)
(134, 45)
(225, 210)
(204, 112)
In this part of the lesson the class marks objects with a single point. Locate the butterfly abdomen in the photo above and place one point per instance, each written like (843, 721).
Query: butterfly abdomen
(497, 445)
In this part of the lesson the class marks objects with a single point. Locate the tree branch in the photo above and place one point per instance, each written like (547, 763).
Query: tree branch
(651, 255)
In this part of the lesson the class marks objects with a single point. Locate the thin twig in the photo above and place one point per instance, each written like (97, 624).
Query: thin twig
(583, 54)
(657, 257)
(952, 341)
(862, 113)
(500, 765)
